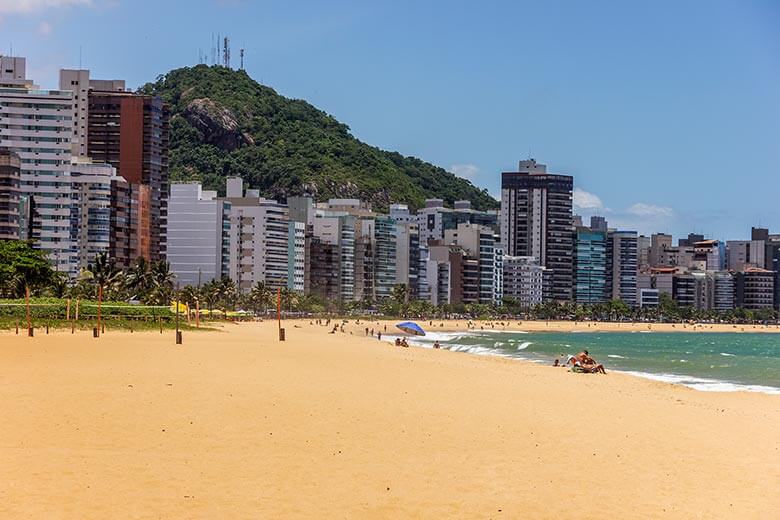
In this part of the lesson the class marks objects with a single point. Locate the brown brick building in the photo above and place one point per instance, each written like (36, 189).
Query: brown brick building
(131, 132)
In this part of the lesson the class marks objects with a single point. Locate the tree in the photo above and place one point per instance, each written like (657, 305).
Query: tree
(260, 297)
(22, 266)
(161, 281)
(189, 296)
(226, 292)
(668, 307)
(289, 299)
(400, 294)
(138, 279)
(103, 274)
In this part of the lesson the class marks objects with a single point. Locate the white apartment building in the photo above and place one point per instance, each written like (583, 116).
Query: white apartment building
(525, 280)
(90, 217)
(259, 239)
(198, 234)
(37, 125)
(296, 253)
(339, 230)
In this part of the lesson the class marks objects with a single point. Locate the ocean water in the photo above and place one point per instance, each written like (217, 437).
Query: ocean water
(704, 361)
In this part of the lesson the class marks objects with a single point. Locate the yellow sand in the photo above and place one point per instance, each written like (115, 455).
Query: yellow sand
(234, 424)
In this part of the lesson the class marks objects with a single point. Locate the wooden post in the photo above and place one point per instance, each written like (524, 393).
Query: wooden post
(27, 305)
(100, 301)
(279, 312)
(67, 311)
(178, 333)
(197, 313)
(78, 301)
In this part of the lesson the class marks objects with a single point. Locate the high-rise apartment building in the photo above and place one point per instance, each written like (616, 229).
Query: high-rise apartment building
(81, 84)
(296, 254)
(10, 180)
(622, 267)
(131, 133)
(590, 266)
(525, 281)
(481, 244)
(709, 255)
(755, 289)
(536, 220)
(37, 125)
(659, 243)
(643, 245)
(333, 242)
(259, 239)
(721, 290)
(434, 219)
(598, 223)
(741, 254)
(198, 234)
(90, 214)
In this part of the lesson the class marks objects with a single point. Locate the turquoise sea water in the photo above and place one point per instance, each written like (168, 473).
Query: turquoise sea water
(705, 361)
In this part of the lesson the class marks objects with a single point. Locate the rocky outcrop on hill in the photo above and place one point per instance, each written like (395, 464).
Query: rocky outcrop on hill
(217, 123)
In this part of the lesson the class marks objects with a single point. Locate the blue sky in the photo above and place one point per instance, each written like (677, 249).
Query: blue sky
(666, 112)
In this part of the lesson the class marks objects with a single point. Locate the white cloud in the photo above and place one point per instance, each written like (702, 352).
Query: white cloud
(586, 200)
(34, 6)
(465, 171)
(640, 209)
(44, 28)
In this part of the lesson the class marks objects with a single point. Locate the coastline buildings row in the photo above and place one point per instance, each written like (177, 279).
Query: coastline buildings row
(341, 250)
(84, 171)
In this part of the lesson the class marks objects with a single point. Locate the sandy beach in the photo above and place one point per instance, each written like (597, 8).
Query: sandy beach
(234, 424)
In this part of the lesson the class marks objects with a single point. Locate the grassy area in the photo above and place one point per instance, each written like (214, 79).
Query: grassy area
(53, 312)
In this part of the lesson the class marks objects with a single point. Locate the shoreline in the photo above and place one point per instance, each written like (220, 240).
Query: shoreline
(695, 382)
(583, 326)
(238, 424)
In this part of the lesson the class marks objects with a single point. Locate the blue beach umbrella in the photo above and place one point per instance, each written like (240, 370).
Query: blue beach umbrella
(412, 328)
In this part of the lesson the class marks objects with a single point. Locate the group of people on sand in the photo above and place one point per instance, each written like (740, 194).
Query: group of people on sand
(582, 362)
(401, 342)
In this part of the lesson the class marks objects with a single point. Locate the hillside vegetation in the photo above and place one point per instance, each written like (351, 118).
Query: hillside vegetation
(224, 123)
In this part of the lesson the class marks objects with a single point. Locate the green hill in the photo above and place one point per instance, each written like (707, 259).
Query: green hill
(224, 123)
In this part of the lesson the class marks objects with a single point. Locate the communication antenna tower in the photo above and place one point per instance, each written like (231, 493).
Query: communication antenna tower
(242, 59)
(226, 52)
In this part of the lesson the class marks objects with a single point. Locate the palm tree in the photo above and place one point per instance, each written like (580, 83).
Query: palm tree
(12, 286)
(260, 297)
(189, 296)
(227, 292)
(161, 279)
(210, 294)
(104, 275)
(289, 299)
(137, 279)
(400, 294)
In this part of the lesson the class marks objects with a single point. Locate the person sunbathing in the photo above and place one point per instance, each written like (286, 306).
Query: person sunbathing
(586, 363)
(594, 368)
